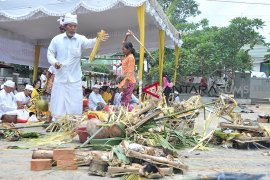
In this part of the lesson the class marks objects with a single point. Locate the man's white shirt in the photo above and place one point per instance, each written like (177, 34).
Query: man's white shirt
(7, 102)
(43, 80)
(67, 51)
(21, 97)
(94, 99)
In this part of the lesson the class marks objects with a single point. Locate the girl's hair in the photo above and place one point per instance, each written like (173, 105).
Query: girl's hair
(129, 46)
(35, 82)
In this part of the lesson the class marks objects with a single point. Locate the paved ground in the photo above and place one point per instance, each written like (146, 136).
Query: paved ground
(217, 162)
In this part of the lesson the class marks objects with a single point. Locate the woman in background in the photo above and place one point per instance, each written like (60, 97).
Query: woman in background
(107, 95)
(167, 87)
(128, 71)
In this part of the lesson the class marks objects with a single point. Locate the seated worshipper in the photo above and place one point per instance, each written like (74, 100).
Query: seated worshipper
(8, 106)
(134, 99)
(176, 97)
(96, 102)
(34, 96)
(107, 96)
(23, 98)
(117, 97)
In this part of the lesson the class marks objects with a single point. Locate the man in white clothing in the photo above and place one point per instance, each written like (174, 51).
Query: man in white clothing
(8, 106)
(117, 98)
(64, 53)
(96, 102)
(23, 98)
(43, 79)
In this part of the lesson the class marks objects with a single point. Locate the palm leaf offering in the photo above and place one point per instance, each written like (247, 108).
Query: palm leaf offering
(97, 45)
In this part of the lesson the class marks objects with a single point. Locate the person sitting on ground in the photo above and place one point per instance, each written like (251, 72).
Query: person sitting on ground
(23, 98)
(8, 105)
(176, 97)
(35, 96)
(118, 97)
(113, 95)
(96, 102)
(107, 96)
(134, 99)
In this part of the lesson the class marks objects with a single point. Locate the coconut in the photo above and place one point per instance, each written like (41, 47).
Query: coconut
(93, 126)
(42, 106)
(115, 130)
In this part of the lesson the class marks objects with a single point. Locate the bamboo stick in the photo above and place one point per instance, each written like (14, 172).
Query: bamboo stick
(141, 122)
(22, 127)
(155, 159)
(252, 139)
(185, 111)
(144, 110)
(141, 44)
(115, 171)
(42, 154)
(233, 126)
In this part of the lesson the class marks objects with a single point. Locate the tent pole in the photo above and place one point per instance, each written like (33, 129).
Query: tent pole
(161, 54)
(36, 62)
(176, 63)
(141, 21)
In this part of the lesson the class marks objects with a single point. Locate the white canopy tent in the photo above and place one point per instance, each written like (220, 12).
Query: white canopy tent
(26, 27)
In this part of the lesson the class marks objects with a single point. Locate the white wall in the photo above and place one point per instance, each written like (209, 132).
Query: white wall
(256, 67)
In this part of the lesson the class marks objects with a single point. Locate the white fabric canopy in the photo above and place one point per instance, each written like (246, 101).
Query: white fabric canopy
(24, 23)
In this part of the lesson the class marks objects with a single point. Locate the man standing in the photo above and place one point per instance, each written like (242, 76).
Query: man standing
(23, 98)
(96, 102)
(8, 104)
(64, 53)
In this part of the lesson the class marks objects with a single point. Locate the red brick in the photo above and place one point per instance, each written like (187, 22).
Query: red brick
(41, 164)
(63, 154)
(66, 164)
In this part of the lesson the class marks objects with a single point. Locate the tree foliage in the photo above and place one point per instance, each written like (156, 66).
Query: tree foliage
(208, 50)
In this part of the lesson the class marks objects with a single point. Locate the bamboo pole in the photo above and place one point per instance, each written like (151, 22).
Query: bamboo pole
(141, 44)
(22, 127)
(176, 64)
(235, 126)
(161, 54)
(36, 62)
(141, 21)
(155, 159)
(115, 171)
(185, 111)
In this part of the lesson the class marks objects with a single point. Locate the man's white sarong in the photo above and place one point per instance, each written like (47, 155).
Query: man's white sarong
(66, 98)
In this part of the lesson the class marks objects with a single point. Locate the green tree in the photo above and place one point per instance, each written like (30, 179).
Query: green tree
(179, 10)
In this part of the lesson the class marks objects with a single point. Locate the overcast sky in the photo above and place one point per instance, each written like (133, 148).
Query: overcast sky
(220, 13)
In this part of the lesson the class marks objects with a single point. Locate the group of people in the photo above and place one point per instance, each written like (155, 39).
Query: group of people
(64, 78)
(64, 53)
(15, 103)
(98, 98)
